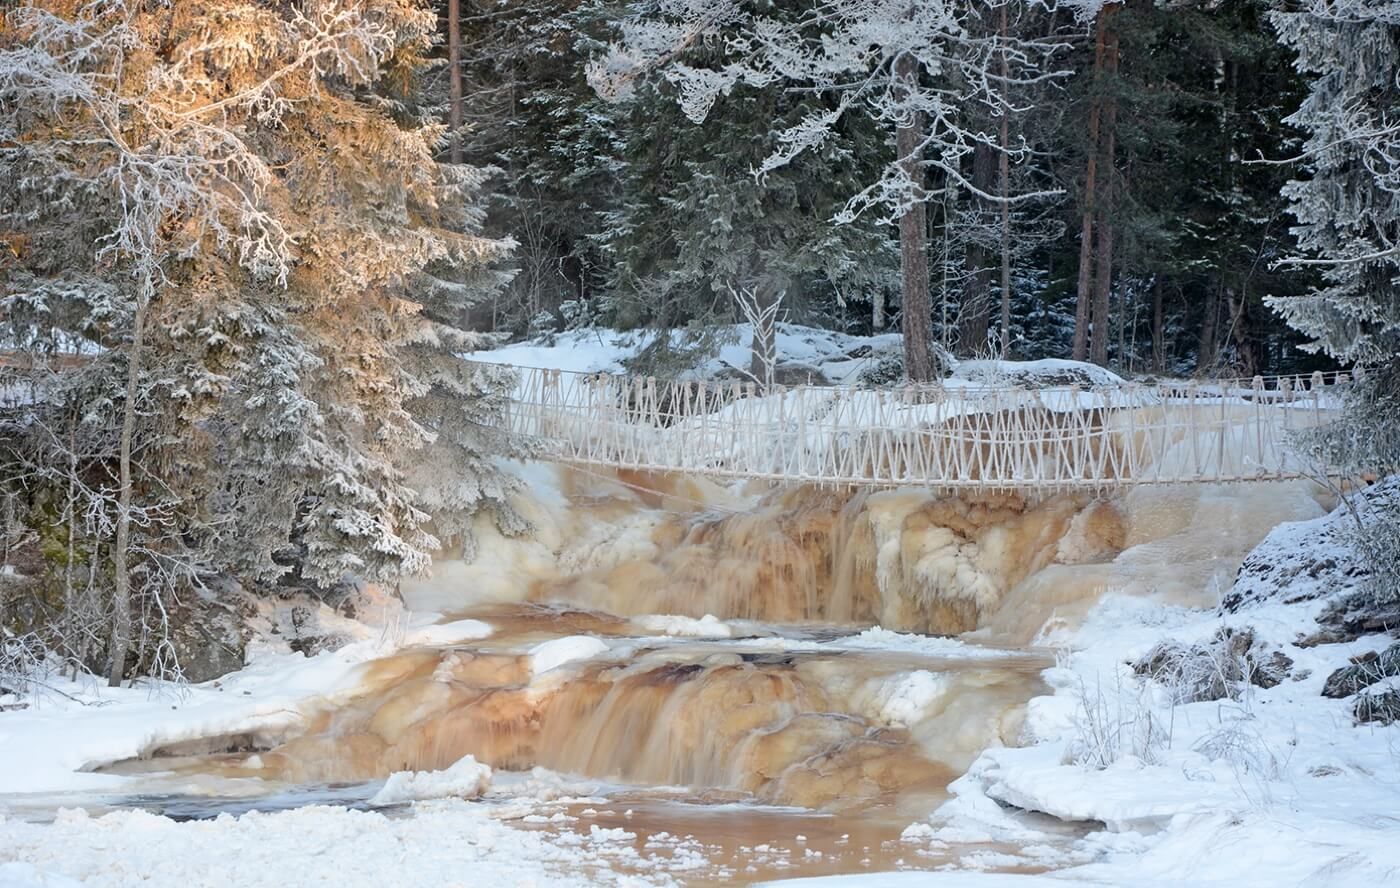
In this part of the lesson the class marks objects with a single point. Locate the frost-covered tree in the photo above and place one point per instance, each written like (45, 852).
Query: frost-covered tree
(235, 206)
(1348, 212)
(1348, 207)
(912, 66)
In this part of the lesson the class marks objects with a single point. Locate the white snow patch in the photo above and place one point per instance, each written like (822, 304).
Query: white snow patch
(48, 746)
(444, 842)
(923, 879)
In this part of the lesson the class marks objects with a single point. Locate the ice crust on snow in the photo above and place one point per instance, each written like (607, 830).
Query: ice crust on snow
(707, 626)
(464, 779)
(559, 651)
(454, 632)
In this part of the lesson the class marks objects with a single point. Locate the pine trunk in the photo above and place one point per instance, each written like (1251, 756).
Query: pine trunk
(454, 78)
(1084, 290)
(1205, 350)
(1101, 323)
(913, 238)
(1242, 334)
(1159, 343)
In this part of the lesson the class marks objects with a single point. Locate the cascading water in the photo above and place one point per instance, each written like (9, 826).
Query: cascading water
(777, 696)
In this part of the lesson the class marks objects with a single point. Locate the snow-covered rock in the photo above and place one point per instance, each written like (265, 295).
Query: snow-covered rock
(1045, 373)
(1304, 560)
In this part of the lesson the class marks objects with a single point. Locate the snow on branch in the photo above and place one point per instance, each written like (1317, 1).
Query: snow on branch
(846, 50)
(178, 161)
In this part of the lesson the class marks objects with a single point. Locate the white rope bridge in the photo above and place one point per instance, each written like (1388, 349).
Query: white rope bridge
(954, 434)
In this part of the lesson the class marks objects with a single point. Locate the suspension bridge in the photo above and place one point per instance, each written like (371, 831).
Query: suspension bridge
(954, 434)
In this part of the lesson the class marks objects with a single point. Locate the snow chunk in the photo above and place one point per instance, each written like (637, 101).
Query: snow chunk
(903, 700)
(557, 652)
(707, 626)
(465, 779)
(878, 638)
(448, 633)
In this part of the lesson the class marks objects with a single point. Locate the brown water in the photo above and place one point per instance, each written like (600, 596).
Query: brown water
(721, 761)
(826, 728)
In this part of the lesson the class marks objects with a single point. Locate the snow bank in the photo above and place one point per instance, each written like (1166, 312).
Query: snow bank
(448, 842)
(465, 779)
(1271, 785)
(707, 626)
(921, 879)
(837, 357)
(1036, 374)
(45, 750)
(556, 652)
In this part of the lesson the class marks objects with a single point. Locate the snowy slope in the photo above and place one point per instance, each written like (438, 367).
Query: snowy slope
(838, 357)
(1264, 786)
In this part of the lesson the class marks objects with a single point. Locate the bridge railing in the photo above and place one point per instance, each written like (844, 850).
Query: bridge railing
(954, 434)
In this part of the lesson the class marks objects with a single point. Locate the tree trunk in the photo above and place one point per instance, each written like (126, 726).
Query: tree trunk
(1205, 350)
(913, 237)
(1101, 325)
(1242, 334)
(121, 579)
(1084, 290)
(1159, 342)
(1004, 138)
(977, 294)
(454, 78)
